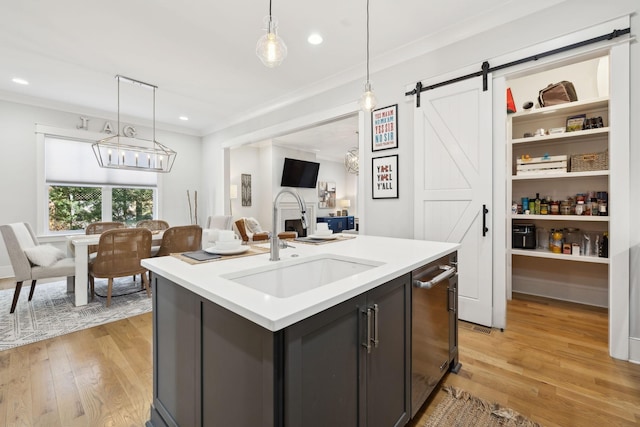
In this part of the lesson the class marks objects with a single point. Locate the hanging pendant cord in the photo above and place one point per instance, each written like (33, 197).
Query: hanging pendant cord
(269, 16)
(154, 117)
(118, 130)
(367, 41)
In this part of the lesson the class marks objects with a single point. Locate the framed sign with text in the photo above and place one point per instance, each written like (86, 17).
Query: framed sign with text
(384, 128)
(385, 177)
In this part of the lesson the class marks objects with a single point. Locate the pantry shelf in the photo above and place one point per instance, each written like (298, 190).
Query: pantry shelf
(563, 109)
(566, 136)
(585, 218)
(565, 257)
(564, 175)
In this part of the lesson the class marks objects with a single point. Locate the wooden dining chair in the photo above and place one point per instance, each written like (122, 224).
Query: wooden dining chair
(183, 238)
(119, 254)
(99, 228)
(153, 224)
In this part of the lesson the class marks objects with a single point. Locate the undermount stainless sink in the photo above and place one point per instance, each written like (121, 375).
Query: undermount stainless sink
(290, 278)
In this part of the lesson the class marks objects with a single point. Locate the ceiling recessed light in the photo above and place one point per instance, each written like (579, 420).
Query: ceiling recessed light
(185, 118)
(19, 81)
(315, 38)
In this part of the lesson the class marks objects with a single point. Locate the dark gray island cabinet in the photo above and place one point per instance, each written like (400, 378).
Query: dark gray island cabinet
(348, 365)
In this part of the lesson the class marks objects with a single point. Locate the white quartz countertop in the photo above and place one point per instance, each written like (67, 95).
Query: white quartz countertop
(395, 256)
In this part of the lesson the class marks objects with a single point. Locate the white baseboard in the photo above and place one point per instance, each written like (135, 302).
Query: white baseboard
(634, 350)
(572, 292)
(6, 271)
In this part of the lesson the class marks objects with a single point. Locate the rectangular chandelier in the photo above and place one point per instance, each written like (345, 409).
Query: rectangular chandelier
(128, 152)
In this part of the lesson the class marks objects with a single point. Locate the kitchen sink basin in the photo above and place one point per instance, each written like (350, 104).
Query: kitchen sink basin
(288, 278)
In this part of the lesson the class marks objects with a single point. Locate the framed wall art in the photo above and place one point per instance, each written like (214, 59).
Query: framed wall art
(245, 188)
(385, 177)
(384, 128)
(326, 194)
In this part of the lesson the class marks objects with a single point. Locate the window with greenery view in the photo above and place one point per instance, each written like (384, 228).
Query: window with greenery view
(78, 192)
(130, 205)
(74, 207)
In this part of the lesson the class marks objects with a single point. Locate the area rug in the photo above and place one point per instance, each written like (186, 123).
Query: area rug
(459, 408)
(51, 312)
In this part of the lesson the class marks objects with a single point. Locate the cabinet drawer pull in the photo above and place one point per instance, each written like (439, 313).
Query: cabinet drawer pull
(375, 325)
(451, 303)
(367, 343)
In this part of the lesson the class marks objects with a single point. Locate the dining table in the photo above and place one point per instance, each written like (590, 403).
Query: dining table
(79, 248)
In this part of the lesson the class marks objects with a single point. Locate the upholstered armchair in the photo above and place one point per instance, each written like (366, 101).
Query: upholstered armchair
(31, 260)
(250, 230)
(219, 222)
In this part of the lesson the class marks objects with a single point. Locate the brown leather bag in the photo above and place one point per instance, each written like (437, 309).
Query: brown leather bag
(558, 93)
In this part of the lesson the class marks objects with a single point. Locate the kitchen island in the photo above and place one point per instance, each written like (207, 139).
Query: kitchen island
(321, 337)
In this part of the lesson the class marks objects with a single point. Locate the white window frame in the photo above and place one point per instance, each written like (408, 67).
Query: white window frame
(42, 196)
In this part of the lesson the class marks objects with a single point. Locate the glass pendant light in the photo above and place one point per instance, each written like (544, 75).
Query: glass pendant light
(368, 98)
(270, 47)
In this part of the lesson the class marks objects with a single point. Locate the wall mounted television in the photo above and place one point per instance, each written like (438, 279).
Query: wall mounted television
(299, 173)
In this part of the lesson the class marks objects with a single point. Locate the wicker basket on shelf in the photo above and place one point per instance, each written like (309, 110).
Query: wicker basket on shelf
(590, 162)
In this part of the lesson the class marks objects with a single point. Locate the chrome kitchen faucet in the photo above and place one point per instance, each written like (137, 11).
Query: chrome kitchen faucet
(275, 242)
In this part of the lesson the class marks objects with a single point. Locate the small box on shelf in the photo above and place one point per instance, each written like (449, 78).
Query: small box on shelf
(590, 161)
(544, 165)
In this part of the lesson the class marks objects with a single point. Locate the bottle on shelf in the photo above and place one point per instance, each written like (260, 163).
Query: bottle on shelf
(537, 204)
(603, 248)
(603, 198)
(544, 207)
(602, 206)
(557, 239)
(594, 206)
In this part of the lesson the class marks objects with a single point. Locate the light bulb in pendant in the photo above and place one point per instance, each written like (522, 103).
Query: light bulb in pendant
(270, 47)
(368, 99)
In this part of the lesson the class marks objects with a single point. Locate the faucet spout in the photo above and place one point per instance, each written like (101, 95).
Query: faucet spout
(275, 242)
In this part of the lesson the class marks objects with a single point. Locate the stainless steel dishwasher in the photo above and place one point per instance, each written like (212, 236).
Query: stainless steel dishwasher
(434, 332)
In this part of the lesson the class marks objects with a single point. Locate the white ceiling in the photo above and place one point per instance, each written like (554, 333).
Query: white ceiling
(201, 54)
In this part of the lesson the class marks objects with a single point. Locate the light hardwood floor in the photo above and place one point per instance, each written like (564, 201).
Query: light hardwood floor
(551, 364)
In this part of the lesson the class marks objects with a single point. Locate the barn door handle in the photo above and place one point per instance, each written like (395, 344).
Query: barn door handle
(485, 211)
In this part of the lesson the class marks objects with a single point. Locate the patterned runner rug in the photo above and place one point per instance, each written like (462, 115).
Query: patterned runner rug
(461, 409)
(51, 312)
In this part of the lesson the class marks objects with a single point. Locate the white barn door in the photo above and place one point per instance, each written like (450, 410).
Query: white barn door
(453, 169)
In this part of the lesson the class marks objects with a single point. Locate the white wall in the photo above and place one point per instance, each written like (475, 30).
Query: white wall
(18, 182)
(265, 164)
(245, 160)
(585, 77)
(391, 84)
(332, 171)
